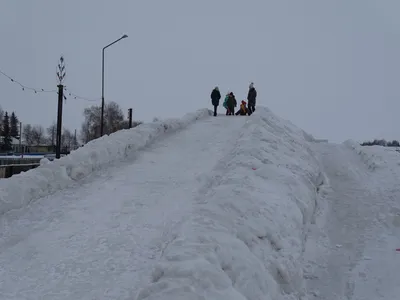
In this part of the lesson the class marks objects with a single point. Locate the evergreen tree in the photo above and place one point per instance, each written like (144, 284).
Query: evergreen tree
(5, 133)
(1, 116)
(14, 132)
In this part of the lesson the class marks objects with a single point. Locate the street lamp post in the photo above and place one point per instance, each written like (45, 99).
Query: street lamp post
(102, 85)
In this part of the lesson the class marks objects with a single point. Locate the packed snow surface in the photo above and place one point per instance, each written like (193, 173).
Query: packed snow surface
(100, 237)
(20, 190)
(351, 250)
(245, 235)
(227, 207)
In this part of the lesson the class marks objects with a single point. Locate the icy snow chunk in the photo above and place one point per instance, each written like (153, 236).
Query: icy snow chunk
(44, 161)
(246, 234)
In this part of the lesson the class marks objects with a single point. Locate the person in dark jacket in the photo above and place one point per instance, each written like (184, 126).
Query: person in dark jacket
(215, 96)
(251, 98)
(231, 104)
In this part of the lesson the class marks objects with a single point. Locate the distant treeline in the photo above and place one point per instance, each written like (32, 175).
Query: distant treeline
(382, 142)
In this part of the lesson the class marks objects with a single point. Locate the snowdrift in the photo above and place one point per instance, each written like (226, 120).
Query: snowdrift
(21, 189)
(375, 156)
(246, 234)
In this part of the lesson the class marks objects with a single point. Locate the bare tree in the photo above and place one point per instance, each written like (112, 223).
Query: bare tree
(66, 139)
(113, 121)
(51, 133)
(27, 134)
(38, 136)
(113, 116)
(85, 135)
(74, 141)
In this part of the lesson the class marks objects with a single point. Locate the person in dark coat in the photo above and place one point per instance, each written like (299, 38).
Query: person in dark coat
(251, 98)
(215, 96)
(231, 104)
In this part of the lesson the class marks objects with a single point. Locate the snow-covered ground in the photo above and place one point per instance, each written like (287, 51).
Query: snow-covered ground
(245, 236)
(351, 250)
(230, 207)
(100, 237)
(118, 148)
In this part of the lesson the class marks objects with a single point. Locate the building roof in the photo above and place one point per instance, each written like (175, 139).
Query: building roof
(14, 141)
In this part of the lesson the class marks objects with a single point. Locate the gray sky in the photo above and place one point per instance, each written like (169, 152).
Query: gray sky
(331, 67)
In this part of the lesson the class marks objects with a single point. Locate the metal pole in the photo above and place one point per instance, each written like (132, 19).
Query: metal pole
(59, 120)
(75, 141)
(102, 85)
(130, 117)
(102, 96)
(20, 137)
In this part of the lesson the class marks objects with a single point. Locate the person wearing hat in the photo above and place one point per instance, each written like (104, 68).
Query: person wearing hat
(215, 96)
(251, 98)
(243, 109)
(231, 104)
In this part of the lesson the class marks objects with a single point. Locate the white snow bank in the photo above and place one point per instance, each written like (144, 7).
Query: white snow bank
(375, 156)
(19, 190)
(246, 234)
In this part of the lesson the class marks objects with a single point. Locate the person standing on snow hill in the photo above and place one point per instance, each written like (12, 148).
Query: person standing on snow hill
(251, 98)
(230, 104)
(215, 96)
(225, 104)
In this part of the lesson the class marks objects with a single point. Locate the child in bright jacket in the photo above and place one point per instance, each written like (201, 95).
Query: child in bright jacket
(243, 109)
(225, 104)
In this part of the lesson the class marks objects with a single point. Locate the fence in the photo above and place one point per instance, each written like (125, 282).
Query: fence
(5, 161)
(14, 165)
(10, 170)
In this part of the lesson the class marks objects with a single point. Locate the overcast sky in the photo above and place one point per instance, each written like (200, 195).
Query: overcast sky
(331, 67)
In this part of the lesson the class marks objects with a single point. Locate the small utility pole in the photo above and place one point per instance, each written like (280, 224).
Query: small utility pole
(59, 120)
(20, 138)
(130, 117)
(75, 141)
(60, 76)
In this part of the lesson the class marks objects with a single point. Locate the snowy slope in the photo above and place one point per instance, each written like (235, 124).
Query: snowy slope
(245, 235)
(376, 276)
(219, 209)
(205, 208)
(20, 190)
(351, 248)
(100, 238)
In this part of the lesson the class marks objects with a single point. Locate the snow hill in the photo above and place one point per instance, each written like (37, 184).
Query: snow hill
(230, 207)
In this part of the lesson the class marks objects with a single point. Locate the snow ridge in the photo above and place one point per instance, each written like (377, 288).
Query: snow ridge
(246, 235)
(376, 157)
(19, 190)
(370, 159)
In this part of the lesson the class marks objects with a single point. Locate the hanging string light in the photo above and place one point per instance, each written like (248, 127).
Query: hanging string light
(24, 87)
(41, 90)
(71, 94)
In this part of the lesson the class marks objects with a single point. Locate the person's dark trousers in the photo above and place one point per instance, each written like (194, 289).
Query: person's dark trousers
(215, 110)
(251, 107)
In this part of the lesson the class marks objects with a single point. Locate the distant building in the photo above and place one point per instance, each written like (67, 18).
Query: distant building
(16, 147)
(23, 148)
(40, 149)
